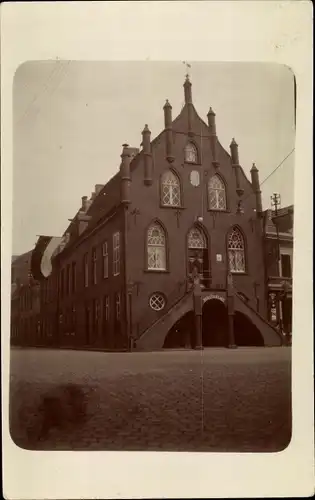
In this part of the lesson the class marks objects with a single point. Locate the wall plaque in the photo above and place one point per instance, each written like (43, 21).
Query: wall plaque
(194, 178)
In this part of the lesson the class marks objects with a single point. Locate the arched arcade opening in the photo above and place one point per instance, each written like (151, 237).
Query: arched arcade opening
(215, 329)
(245, 332)
(214, 324)
(181, 335)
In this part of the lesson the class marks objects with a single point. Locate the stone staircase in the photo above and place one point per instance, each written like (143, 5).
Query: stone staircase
(154, 335)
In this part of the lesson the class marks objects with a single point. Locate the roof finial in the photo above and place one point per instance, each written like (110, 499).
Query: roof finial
(254, 168)
(187, 90)
(188, 66)
(167, 104)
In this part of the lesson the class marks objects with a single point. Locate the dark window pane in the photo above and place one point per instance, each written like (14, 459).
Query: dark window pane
(286, 266)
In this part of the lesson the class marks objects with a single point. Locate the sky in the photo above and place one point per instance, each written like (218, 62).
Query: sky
(71, 119)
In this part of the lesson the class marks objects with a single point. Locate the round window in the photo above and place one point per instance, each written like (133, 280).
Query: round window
(157, 302)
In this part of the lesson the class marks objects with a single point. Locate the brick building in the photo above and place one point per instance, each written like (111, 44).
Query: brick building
(20, 269)
(25, 303)
(278, 243)
(166, 254)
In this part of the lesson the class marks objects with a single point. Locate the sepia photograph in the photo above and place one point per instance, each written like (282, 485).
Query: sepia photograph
(152, 256)
(156, 250)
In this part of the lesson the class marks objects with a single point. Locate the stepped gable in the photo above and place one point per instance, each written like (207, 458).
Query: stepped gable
(108, 198)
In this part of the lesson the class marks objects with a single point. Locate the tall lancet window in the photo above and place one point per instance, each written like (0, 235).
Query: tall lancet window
(156, 247)
(170, 190)
(191, 154)
(216, 193)
(236, 251)
(197, 252)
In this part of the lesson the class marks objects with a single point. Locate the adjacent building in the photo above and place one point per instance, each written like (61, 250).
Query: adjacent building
(25, 303)
(278, 243)
(167, 254)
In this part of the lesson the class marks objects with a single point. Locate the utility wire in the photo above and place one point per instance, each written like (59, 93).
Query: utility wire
(58, 71)
(61, 76)
(271, 173)
(38, 94)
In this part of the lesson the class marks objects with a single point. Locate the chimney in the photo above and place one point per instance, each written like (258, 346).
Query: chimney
(125, 178)
(213, 136)
(83, 222)
(98, 188)
(84, 203)
(146, 135)
(169, 133)
(132, 152)
(256, 186)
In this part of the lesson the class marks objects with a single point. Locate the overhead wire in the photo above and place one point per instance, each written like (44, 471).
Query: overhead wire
(41, 92)
(271, 173)
(58, 73)
(278, 166)
(61, 76)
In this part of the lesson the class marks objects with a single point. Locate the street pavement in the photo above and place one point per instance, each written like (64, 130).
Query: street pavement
(211, 400)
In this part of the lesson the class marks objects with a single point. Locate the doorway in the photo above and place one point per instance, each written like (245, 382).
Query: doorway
(214, 324)
(287, 315)
(198, 260)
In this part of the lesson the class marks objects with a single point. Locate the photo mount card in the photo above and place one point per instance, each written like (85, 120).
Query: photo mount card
(135, 363)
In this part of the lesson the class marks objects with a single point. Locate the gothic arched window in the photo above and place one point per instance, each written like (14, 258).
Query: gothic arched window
(236, 251)
(170, 190)
(216, 193)
(197, 252)
(156, 247)
(191, 154)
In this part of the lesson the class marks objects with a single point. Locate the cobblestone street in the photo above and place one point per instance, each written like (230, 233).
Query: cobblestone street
(211, 400)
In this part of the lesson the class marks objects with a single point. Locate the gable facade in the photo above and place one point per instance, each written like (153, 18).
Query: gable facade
(204, 195)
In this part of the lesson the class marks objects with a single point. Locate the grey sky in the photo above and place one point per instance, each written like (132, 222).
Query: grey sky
(71, 118)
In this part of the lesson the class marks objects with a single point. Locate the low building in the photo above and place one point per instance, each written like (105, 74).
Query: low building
(21, 269)
(25, 303)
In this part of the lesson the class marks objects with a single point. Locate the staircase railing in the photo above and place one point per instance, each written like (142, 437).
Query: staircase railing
(148, 319)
